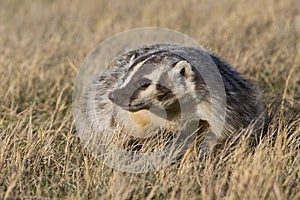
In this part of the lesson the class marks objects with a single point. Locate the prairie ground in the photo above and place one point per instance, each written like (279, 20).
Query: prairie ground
(43, 44)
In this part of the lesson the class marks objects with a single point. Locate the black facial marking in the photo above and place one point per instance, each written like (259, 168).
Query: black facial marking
(164, 93)
(140, 85)
(144, 83)
(182, 71)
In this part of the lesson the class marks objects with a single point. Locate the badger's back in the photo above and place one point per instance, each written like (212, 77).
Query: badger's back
(243, 105)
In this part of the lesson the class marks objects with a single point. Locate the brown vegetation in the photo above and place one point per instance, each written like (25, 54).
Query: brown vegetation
(42, 46)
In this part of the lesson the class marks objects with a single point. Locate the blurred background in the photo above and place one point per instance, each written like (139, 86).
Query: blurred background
(255, 36)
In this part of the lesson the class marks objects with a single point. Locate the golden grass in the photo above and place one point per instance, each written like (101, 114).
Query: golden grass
(42, 46)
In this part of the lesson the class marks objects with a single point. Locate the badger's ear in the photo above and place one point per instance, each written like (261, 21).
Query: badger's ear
(184, 68)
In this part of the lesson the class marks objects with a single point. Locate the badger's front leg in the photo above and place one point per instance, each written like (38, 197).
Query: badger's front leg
(207, 144)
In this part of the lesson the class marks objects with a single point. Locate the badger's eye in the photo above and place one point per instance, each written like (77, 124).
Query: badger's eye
(144, 83)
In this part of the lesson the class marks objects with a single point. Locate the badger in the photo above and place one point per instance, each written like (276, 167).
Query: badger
(165, 86)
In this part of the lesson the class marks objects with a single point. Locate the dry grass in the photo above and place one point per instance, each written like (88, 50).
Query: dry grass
(42, 47)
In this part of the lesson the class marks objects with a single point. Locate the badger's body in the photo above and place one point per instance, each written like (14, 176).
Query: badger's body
(147, 89)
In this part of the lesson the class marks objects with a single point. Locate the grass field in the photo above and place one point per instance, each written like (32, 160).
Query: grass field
(43, 44)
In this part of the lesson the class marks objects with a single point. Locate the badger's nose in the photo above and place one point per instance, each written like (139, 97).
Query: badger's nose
(112, 97)
(117, 98)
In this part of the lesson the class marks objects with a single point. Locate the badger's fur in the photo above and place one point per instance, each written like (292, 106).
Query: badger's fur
(144, 90)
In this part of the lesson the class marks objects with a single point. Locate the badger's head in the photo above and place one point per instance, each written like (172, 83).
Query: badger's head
(160, 79)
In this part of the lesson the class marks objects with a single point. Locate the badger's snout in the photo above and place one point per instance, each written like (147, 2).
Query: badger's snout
(119, 99)
(123, 100)
(112, 97)
(126, 101)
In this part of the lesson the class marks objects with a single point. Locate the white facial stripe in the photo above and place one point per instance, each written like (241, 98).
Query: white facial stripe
(135, 69)
(155, 75)
(148, 92)
(131, 60)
